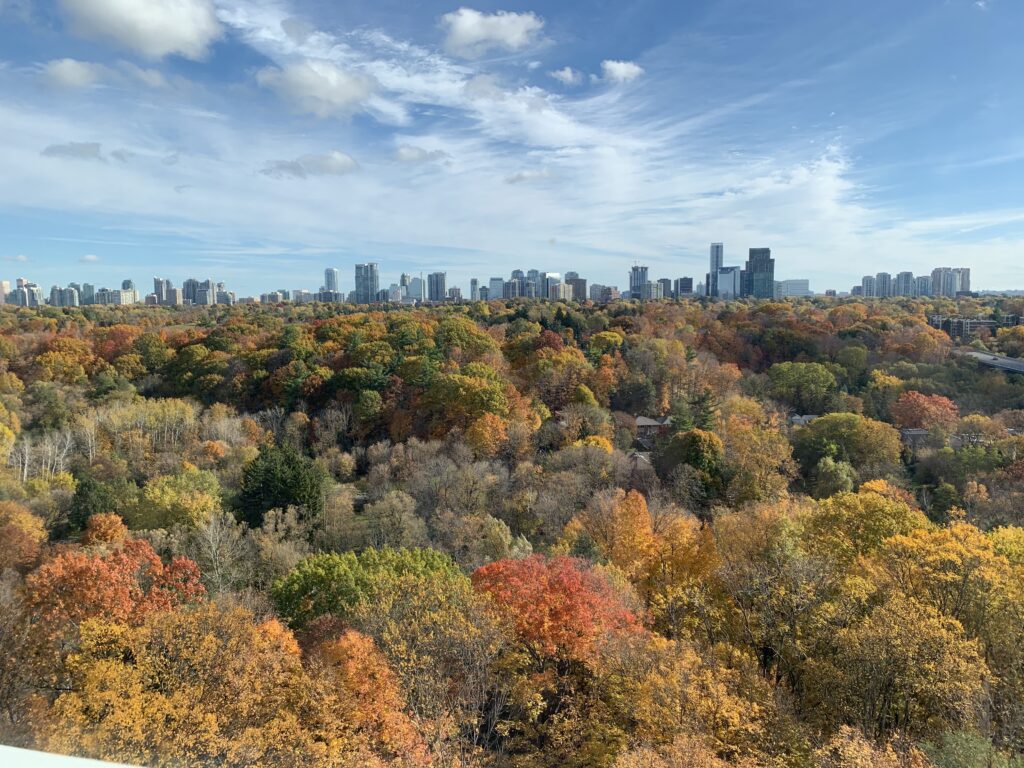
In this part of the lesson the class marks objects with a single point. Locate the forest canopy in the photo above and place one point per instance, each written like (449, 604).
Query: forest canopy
(512, 534)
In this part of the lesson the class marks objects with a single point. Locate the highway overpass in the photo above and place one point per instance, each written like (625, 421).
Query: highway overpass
(1010, 364)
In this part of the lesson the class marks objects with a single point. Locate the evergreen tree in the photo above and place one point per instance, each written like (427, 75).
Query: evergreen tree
(277, 478)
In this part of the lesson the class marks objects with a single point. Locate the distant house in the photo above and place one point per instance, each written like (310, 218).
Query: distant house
(915, 438)
(648, 429)
(801, 421)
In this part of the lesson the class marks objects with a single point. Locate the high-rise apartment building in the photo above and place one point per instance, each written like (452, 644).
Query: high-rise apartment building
(579, 286)
(436, 286)
(965, 279)
(547, 280)
(717, 262)
(160, 288)
(947, 281)
(883, 285)
(519, 278)
(63, 297)
(904, 284)
(332, 279)
(637, 281)
(791, 289)
(188, 290)
(417, 290)
(560, 292)
(923, 285)
(867, 285)
(367, 279)
(650, 291)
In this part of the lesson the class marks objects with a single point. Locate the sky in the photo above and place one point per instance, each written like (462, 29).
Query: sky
(257, 142)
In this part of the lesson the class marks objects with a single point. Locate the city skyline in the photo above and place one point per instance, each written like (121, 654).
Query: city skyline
(754, 280)
(267, 139)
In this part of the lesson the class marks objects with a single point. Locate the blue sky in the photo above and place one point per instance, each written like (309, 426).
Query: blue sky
(258, 142)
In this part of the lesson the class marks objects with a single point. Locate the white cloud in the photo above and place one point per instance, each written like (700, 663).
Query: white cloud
(333, 163)
(471, 34)
(89, 258)
(411, 155)
(79, 150)
(522, 177)
(298, 30)
(151, 78)
(19, 258)
(152, 28)
(318, 87)
(567, 76)
(620, 71)
(71, 73)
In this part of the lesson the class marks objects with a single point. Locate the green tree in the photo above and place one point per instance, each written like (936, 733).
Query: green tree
(871, 447)
(805, 387)
(333, 584)
(280, 477)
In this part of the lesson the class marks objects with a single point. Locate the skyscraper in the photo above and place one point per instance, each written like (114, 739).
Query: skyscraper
(367, 283)
(717, 261)
(683, 286)
(474, 290)
(549, 279)
(759, 275)
(496, 287)
(520, 278)
(883, 285)
(904, 285)
(867, 284)
(729, 283)
(160, 287)
(965, 279)
(332, 280)
(579, 286)
(417, 290)
(436, 288)
(637, 281)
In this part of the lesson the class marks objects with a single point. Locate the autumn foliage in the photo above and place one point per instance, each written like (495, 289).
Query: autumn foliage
(123, 584)
(558, 606)
(512, 534)
(915, 410)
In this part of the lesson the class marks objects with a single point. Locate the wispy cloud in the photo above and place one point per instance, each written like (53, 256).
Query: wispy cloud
(77, 150)
(333, 163)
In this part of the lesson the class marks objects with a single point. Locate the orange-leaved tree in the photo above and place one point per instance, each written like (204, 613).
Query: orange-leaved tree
(560, 607)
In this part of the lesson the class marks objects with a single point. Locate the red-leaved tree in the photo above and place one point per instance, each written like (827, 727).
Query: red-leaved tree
(914, 410)
(560, 607)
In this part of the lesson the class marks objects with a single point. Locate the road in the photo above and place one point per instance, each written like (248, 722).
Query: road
(995, 361)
